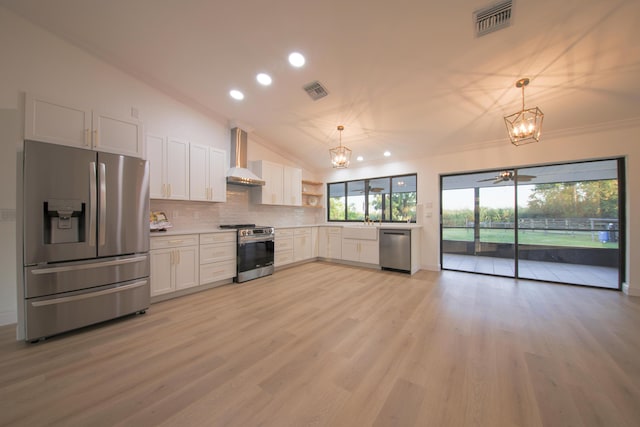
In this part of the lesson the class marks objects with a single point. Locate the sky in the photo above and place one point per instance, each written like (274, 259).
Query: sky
(495, 197)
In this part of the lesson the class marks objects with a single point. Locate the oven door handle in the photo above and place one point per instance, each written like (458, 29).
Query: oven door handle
(244, 242)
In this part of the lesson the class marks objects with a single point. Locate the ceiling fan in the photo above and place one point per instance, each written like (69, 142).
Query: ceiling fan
(373, 190)
(506, 176)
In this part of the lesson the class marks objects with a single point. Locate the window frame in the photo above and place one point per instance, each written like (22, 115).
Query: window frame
(366, 184)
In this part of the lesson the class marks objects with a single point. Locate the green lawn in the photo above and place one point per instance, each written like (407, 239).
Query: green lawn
(583, 239)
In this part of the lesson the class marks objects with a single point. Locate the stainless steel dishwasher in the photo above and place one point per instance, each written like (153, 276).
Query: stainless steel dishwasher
(395, 249)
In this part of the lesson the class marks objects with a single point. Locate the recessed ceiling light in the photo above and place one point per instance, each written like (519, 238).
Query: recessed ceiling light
(359, 158)
(296, 59)
(236, 94)
(264, 79)
(387, 153)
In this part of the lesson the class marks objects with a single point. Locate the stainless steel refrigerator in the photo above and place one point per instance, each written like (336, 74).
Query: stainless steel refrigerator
(86, 238)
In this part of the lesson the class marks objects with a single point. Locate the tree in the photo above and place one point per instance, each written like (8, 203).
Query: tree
(585, 199)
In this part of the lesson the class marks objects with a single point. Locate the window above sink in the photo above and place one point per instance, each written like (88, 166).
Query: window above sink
(384, 199)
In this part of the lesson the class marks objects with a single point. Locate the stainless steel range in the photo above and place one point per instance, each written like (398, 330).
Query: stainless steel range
(255, 251)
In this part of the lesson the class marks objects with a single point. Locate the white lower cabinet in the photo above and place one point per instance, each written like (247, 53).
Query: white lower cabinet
(360, 250)
(330, 242)
(217, 257)
(302, 244)
(174, 263)
(283, 247)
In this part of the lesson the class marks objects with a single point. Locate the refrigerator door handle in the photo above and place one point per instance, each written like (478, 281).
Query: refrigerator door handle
(88, 266)
(102, 226)
(88, 295)
(92, 203)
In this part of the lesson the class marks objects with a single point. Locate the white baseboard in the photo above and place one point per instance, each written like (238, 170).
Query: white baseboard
(431, 267)
(632, 292)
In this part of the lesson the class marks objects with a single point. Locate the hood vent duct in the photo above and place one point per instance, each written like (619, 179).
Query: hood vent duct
(492, 18)
(238, 173)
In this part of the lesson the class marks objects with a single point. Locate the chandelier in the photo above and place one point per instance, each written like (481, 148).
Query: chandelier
(525, 125)
(340, 155)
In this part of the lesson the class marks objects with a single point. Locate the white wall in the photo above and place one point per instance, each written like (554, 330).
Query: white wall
(37, 62)
(603, 141)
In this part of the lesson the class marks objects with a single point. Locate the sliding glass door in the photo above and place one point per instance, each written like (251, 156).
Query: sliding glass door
(558, 223)
(478, 223)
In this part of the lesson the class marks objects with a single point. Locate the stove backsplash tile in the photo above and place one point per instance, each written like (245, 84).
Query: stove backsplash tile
(238, 209)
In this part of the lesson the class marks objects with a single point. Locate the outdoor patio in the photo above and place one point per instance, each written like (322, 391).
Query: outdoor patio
(575, 274)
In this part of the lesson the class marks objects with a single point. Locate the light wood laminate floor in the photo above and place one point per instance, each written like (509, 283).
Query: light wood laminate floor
(330, 345)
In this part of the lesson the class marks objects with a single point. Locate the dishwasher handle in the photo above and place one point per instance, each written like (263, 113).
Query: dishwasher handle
(395, 233)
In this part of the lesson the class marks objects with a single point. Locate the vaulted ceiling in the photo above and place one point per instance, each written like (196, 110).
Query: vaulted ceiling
(407, 76)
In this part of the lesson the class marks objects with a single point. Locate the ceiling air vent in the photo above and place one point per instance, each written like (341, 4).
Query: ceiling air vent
(492, 18)
(315, 90)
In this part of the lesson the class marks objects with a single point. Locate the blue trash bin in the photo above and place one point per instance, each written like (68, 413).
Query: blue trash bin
(604, 236)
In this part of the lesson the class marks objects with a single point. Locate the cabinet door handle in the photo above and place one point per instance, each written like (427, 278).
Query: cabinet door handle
(95, 138)
(86, 137)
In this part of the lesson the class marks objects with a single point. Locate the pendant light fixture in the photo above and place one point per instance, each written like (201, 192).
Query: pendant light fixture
(340, 155)
(524, 126)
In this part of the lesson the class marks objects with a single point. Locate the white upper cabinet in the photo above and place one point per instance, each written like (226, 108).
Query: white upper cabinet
(292, 186)
(273, 175)
(177, 169)
(283, 184)
(169, 168)
(207, 180)
(59, 123)
(116, 135)
(218, 175)
(198, 172)
(156, 146)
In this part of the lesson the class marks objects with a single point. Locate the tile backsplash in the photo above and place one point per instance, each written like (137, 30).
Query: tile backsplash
(238, 209)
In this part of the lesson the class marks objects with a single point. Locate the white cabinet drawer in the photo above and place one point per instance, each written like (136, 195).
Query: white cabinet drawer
(283, 233)
(173, 241)
(302, 232)
(217, 252)
(283, 245)
(217, 271)
(206, 239)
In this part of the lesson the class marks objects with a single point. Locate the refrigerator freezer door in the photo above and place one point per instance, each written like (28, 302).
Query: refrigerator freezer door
(123, 205)
(73, 276)
(59, 206)
(59, 313)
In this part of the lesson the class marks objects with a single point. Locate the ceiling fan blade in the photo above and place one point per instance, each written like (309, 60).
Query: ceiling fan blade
(488, 179)
(526, 177)
(376, 189)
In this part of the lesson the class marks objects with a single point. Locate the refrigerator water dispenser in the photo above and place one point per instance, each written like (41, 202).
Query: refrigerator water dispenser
(64, 221)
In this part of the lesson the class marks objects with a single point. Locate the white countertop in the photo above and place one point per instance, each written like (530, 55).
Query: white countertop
(181, 231)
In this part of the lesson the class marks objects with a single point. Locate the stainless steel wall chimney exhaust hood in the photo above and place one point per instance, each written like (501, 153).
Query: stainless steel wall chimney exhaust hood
(239, 174)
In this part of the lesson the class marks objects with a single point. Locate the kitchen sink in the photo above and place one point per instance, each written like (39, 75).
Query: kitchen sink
(362, 232)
